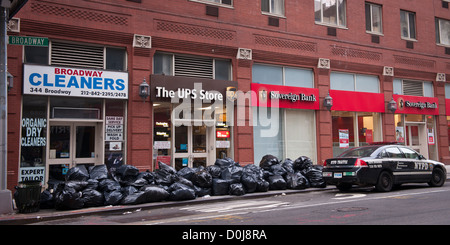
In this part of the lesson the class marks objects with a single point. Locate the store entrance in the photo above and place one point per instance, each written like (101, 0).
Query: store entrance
(72, 144)
(416, 137)
(193, 146)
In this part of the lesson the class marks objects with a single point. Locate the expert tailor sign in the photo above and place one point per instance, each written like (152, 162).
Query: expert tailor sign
(74, 82)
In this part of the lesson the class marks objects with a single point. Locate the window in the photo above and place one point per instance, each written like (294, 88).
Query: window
(413, 88)
(77, 55)
(442, 31)
(373, 18)
(394, 152)
(409, 153)
(353, 129)
(284, 133)
(191, 66)
(279, 75)
(408, 24)
(330, 12)
(275, 7)
(354, 82)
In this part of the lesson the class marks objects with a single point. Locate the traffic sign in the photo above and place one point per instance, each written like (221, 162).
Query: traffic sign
(28, 41)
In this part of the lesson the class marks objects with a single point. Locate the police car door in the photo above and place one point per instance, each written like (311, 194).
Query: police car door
(398, 163)
(418, 168)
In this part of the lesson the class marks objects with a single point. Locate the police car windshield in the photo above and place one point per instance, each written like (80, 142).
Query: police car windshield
(360, 151)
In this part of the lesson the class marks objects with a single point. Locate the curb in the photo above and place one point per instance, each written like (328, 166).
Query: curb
(52, 214)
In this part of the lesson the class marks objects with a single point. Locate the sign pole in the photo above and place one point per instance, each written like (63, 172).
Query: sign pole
(5, 195)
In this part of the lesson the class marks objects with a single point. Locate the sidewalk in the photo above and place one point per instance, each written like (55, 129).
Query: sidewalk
(52, 214)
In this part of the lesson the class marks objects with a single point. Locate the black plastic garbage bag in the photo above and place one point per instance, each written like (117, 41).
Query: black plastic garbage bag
(314, 175)
(262, 185)
(236, 189)
(302, 163)
(277, 169)
(249, 182)
(92, 184)
(200, 191)
(187, 172)
(47, 200)
(181, 192)
(166, 168)
(77, 185)
(165, 175)
(220, 187)
(98, 172)
(296, 181)
(224, 163)
(113, 197)
(127, 170)
(128, 190)
(214, 170)
(108, 185)
(288, 165)
(79, 173)
(277, 182)
(267, 161)
(68, 198)
(92, 198)
(202, 179)
(136, 181)
(134, 199)
(155, 193)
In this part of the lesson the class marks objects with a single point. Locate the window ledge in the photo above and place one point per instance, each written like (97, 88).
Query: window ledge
(331, 25)
(213, 3)
(273, 15)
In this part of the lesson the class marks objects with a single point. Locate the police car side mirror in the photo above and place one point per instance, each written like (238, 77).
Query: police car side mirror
(421, 157)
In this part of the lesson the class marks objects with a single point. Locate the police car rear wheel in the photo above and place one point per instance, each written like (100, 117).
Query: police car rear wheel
(385, 182)
(437, 178)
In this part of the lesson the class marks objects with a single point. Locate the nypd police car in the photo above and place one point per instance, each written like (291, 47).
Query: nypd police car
(382, 166)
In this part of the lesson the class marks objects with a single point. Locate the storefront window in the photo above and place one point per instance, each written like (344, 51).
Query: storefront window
(34, 138)
(115, 133)
(352, 129)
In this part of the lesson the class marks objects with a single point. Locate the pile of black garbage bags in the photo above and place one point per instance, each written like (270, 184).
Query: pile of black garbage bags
(96, 186)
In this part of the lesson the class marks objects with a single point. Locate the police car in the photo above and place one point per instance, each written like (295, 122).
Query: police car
(382, 166)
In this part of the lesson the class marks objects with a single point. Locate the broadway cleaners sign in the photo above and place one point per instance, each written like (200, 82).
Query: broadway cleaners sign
(75, 82)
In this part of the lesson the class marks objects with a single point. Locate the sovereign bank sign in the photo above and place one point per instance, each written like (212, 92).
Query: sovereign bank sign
(75, 82)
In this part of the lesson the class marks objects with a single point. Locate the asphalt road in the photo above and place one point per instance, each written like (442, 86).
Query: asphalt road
(410, 204)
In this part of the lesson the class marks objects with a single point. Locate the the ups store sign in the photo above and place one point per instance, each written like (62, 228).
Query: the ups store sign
(165, 88)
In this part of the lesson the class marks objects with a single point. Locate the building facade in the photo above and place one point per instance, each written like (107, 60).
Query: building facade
(227, 78)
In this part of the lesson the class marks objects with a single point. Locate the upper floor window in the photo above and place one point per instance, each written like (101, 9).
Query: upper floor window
(374, 18)
(330, 12)
(282, 75)
(191, 66)
(275, 7)
(408, 24)
(77, 55)
(354, 82)
(413, 88)
(442, 31)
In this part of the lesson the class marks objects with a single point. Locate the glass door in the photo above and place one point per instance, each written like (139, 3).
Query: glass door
(71, 144)
(416, 137)
(192, 146)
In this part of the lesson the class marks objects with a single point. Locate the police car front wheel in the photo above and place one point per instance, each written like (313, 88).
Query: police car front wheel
(437, 178)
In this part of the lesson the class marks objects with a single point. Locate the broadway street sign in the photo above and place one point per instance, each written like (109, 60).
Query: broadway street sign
(28, 41)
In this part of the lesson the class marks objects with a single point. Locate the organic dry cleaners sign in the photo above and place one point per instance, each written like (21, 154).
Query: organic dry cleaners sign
(76, 82)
